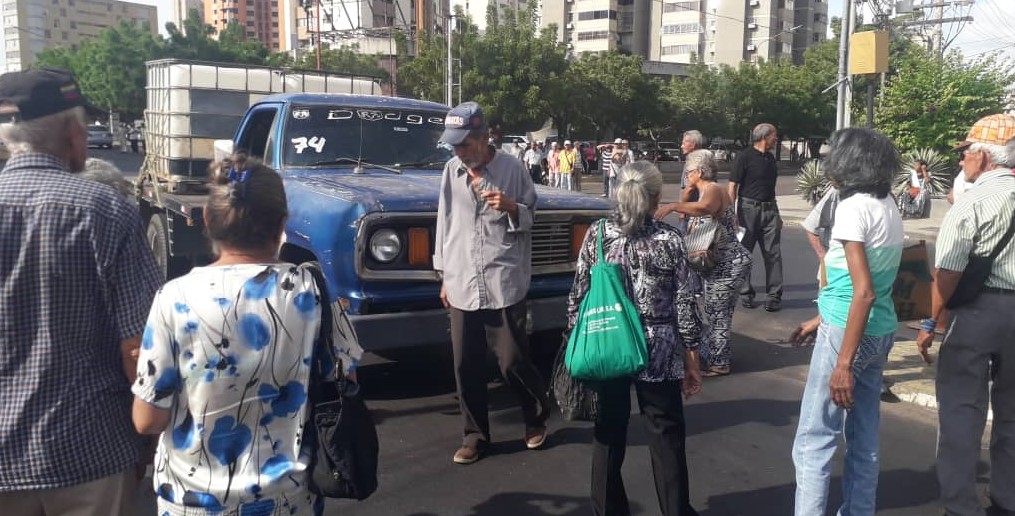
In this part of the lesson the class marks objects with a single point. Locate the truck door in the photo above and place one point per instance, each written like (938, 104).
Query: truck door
(255, 135)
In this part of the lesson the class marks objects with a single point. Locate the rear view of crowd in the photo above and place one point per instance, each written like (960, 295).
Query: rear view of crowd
(563, 165)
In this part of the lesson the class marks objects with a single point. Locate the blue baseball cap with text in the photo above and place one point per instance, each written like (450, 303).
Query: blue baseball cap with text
(464, 119)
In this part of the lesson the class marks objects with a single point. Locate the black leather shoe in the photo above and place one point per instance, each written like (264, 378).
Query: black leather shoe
(748, 302)
(773, 305)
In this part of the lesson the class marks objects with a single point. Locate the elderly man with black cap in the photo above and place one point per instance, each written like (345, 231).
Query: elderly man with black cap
(483, 251)
(975, 283)
(78, 281)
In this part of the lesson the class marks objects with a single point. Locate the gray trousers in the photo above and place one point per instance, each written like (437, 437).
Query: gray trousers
(978, 350)
(502, 331)
(763, 226)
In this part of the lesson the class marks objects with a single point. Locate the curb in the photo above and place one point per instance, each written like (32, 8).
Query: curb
(919, 398)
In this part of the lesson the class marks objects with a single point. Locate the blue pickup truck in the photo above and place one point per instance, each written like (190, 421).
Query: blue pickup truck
(362, 174)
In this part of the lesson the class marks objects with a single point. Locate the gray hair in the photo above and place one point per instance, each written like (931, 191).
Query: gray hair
(862, 160)
(41, 134)
(1001, 155)
(703, 161)
(761, 131)
(638, 189)
(695, 136)
(104, 172)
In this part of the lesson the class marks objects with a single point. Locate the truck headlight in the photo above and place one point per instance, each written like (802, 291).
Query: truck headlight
(385, 245)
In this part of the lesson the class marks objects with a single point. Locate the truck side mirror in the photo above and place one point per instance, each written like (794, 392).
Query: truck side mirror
(223, 149)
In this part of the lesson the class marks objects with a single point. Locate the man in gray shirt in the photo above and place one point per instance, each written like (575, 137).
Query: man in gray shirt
(483, 251)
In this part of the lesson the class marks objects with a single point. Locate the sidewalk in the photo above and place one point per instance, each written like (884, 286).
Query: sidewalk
(907, 376)
(794, 210)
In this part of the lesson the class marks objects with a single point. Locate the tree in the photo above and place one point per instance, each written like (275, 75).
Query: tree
(111, 67)
(931, 103)
(345, 60)
(516, 71)
(615, 96)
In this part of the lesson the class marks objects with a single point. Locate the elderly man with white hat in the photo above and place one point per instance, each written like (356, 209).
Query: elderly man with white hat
(975, 282)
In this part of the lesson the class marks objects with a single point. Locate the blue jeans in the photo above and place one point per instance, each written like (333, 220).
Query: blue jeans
(822, 423)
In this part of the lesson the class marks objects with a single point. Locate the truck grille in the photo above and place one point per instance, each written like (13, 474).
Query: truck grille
(551, 241)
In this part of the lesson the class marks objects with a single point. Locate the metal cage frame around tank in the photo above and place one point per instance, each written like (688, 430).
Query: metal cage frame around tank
(190, 104)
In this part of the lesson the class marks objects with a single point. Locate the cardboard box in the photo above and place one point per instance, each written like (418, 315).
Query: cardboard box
(912, 290)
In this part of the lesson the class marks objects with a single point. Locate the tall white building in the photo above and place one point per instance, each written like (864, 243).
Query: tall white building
(371, 25)
(477, 9)
(29, 26)
(180, 9)
(685, 31)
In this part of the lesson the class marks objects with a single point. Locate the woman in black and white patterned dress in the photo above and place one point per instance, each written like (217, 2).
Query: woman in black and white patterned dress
(722, 283)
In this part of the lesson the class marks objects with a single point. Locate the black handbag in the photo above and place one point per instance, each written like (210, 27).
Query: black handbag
(576, 400)
(340, 431)
(974, 277)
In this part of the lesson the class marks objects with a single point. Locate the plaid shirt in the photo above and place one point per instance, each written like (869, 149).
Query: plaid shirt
(76, 278)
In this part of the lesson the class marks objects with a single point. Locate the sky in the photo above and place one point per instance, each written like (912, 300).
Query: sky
(987, 32)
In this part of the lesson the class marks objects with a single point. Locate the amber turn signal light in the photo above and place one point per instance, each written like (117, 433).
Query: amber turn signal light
(419, 246)
(577, 238)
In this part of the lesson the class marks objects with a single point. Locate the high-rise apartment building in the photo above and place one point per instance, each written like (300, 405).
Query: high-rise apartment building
(179, 9)
(686, 31)
(371, 25)
(261, 19)
(29, 26)
(477, 9)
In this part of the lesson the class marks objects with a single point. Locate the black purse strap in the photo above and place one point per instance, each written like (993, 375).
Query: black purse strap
(319, 384)
(1004, 240)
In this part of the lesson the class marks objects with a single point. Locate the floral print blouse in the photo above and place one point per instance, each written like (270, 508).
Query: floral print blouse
(656, 281)
(228, 349)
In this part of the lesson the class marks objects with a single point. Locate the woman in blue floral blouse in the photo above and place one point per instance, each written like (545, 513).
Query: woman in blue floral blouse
(654, 260)
(225, 362)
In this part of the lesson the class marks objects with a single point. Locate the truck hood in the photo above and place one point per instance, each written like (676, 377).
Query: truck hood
(417, 191)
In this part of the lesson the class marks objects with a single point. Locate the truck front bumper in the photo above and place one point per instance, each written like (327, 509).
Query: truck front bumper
(430, 327)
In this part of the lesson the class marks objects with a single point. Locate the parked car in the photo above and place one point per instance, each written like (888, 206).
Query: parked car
(99, 136)
(656, 150)
(668, 151)
(721, 152)
(508, 142)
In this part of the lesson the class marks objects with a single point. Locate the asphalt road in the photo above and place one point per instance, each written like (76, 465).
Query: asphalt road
(740, 430)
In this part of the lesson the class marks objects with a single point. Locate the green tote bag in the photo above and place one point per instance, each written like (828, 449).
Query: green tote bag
(607, 340)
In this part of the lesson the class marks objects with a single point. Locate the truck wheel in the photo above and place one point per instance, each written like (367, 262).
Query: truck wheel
(158, 241)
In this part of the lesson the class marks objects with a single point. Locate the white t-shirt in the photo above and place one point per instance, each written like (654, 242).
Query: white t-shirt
(878, 225)
(914, 179)
(531, 158)
(960, 186)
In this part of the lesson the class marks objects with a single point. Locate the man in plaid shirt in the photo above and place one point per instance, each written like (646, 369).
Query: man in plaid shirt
(76, 283)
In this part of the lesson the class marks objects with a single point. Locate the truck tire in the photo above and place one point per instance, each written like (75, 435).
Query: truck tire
(158, 241)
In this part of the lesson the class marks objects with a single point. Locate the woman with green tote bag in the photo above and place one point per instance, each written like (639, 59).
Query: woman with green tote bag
(653, 262)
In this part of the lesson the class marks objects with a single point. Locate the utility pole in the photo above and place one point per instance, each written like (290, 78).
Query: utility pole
(450, 72)
(845, 97)
(318, 35)
(938, 37)
(936, 43)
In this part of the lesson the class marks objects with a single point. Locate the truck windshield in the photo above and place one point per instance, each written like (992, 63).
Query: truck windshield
(396, 138)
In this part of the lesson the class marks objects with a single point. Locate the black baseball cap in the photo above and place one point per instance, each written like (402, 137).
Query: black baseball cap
(462, 120)
(40, 92)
